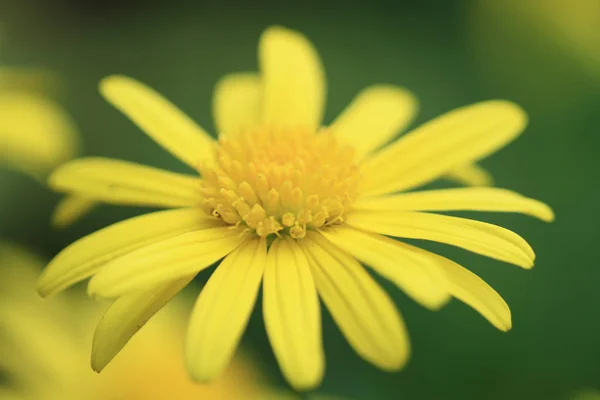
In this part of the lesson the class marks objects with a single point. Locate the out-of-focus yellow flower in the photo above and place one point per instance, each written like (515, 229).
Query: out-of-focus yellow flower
(573, 25)
(546, 51)
(296, 206)
(45, 349)
(587, 394)
(36, 134)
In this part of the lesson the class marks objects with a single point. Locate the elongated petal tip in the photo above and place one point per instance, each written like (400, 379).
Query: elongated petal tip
(526, 263)
(51, 282)
(437, 297)
(502, 319)
(538, 209)
(545, 212)
(531, 255)
(42, 292)
(97, 291)
(280, 31)
(305, 383)
(441, 302)
(509, 109)
(69, 210)
(47, 286)
(471, 175)
(514, 115)
(293, 78)
(197, 374)
(97, 364)
(382, 110)
(511, 116)
(54, 177)
(398, 362)
(507, 326)
(112, 82)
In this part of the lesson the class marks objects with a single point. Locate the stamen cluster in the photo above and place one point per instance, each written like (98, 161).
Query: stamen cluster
(280, 181)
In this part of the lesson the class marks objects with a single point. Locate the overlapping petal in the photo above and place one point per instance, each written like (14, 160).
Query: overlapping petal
(364, 312)
(292, 315)
(126, 316)
(470, 175)
(416, 275)
(464, 199)
(479, 237)
(85, 257)
(159, 118)
(293, 80)
(473, 291)
(455, 139)
(122, 182)
(374, 117)
(223, 309)
(163, 261)
(70, 209)
(237, 103)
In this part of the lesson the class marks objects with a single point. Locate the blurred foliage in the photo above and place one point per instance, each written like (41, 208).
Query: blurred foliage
(449, 54)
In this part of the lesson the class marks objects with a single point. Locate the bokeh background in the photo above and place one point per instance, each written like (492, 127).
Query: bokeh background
(544, 55)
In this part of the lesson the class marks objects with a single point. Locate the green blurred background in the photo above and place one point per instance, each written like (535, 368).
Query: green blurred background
(449, 54)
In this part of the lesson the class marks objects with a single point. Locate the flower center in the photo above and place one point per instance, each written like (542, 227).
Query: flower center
(280, 181)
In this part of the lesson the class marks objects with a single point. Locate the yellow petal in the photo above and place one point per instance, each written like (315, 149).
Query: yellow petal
(452, 140)
(467, 199)
(70, 209)
(35, 133)
(222, 310)
(236, 103)
(374, 117)
(122, 182)
(364, 312)
(292, 315)
(415, 274)
(159, 118)
(126, 316)
(83, 258)
(293, 79)
(479, 237)
(473, 291)
(470, 175)
(163, 261)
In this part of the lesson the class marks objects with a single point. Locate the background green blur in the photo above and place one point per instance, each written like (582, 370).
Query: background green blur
(449, 53)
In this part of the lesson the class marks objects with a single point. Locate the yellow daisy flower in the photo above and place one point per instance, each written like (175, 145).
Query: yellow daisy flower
(300, 207)
(573, 30)
(36, 134)
(45, 347)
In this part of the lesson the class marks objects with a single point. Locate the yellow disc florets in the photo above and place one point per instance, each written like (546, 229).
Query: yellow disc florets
(280, 181)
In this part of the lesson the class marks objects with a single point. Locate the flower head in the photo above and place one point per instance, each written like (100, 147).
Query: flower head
(301, 208)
